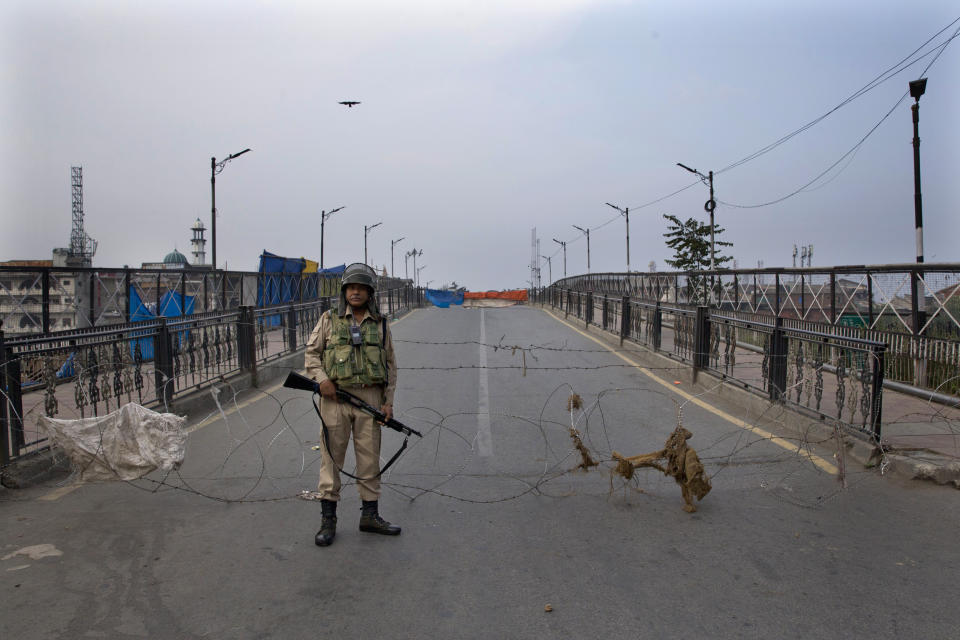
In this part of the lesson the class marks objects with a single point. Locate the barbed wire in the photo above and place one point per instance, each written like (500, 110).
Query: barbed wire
(290, 427)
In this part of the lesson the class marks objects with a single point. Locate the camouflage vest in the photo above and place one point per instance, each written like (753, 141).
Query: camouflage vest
(347, 364)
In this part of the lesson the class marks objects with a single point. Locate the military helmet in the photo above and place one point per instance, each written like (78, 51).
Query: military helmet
(359, 273)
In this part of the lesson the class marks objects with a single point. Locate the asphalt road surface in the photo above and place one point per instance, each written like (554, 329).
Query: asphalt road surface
(496, 526)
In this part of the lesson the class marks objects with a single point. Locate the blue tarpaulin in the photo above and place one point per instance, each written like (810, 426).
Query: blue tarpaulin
(171, 306)
(442, 298)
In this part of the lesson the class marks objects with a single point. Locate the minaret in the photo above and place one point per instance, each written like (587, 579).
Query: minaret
(198, 242)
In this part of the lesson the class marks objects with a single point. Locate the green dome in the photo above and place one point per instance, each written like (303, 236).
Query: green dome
(175, 257)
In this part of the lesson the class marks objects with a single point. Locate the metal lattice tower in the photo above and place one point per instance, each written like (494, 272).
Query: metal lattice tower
(81, 245)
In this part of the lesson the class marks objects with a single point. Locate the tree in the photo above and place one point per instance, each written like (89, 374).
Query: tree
(690, 242)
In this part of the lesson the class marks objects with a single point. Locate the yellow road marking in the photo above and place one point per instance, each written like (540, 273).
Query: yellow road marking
(58, 493)
(822, 463)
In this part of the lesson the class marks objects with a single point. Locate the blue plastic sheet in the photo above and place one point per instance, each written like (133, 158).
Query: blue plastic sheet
(442, 298)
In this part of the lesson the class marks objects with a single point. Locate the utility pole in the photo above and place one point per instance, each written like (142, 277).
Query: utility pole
(587, 232)
(626, 214)
(564, 245)
(917, 89)
(215, 168)
(549, 268)
(367, 230)
(708, 206)
(323, 221)
(393, 243)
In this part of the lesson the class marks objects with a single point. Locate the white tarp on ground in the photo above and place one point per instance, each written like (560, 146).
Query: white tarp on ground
(124, 445)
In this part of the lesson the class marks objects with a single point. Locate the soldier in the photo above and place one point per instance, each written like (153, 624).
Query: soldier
(351, 347)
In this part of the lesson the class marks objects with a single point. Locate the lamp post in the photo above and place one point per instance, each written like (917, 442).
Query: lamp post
(323, 220)
(413, 252)
(587, 232)
(708, 206)
(626, 213)
(367, 230)
(549, 267)
(917, 89)
(215, 168)
(564, 245)
(419, 269)
(393, 243)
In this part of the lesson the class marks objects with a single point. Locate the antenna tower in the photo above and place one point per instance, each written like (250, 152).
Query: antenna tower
(82, 246)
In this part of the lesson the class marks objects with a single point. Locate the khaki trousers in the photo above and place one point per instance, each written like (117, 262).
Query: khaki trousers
(342, 420)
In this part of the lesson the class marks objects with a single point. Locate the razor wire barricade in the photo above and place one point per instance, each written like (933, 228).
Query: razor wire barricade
(832, 376)
(94, 370)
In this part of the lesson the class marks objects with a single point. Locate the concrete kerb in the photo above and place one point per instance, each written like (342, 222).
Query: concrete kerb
(50, 465)
(930, 466)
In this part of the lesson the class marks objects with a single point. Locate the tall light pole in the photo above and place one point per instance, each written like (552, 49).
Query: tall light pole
(413, 252)
(419, 269)
(215, 168)
(917, 89)
(564, 245)
(393, 243)
(625, 212)
(587, 232)
(549, 267)
(323, 220)
(708, 206)
(367, 230)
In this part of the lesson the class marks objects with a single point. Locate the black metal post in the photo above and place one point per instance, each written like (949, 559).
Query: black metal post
(4, 400)
(163, 363)
(588, 312)
(876, 396)
(624, 318)
(777, 382)
(126, 293)
(292, 327)
(701, 340)
(657, 326)
(833, 297)
(45, 300)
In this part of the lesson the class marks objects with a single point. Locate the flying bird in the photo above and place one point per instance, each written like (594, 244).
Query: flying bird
(349, 103)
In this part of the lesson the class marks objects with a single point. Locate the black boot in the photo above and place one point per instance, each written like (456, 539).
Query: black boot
(371, 522)
(328, 526)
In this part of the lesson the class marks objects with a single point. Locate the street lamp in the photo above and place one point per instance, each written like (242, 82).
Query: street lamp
(564, 245)
(215, 168)
(393, 243)
(625, 212)
(413, 252)
(367, 230)
(418, 269)
(586, 231)
(917, 89)
(549, 267)
(323, 220)
(708, 206)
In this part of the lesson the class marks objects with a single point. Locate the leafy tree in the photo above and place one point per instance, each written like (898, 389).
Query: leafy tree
(690, 241)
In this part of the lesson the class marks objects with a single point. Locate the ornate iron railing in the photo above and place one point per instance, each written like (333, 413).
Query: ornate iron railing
(91, 371)
(836, 377)
(913, 309)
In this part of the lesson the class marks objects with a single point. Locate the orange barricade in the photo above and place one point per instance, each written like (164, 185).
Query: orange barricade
(520, 295)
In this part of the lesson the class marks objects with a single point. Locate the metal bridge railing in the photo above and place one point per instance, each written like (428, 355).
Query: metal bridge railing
(834, 376)
(92, 371)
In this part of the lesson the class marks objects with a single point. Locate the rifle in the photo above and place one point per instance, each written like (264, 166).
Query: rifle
(296, 381)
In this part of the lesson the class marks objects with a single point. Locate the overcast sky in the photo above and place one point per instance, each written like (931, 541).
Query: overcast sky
(479, 121)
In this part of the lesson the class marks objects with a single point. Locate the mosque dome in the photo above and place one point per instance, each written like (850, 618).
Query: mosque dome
(175, 257)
